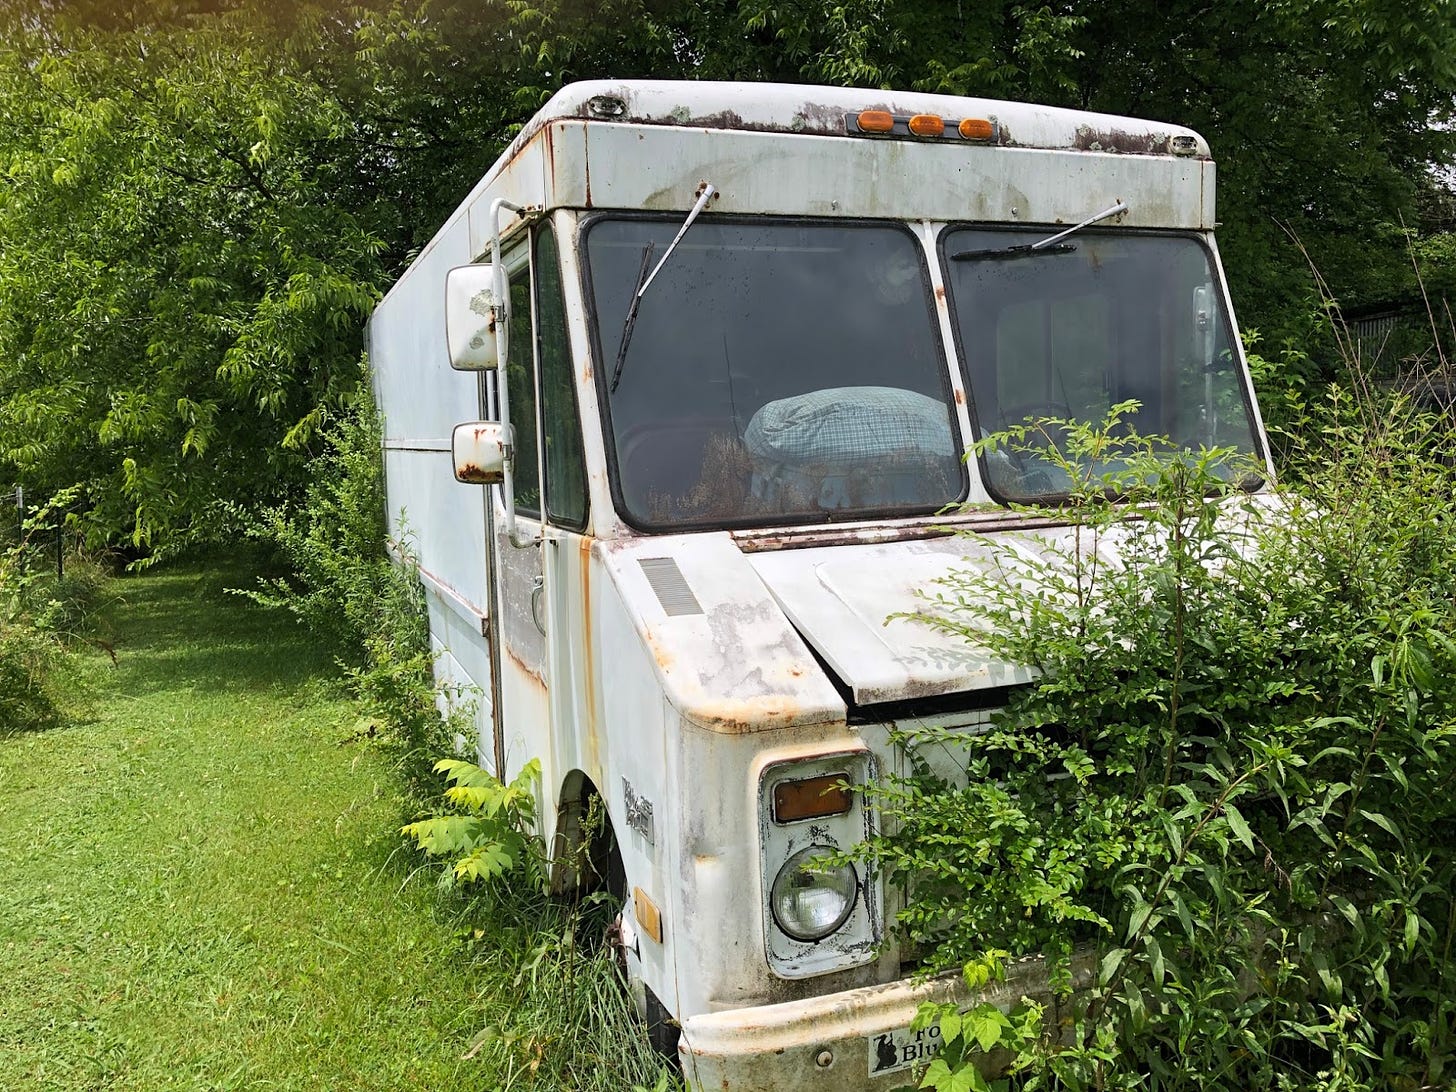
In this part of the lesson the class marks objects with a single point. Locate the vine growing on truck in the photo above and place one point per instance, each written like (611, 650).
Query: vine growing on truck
(1233, 781)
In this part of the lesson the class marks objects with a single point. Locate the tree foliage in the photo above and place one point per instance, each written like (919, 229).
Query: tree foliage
(200, 200)
(182, 296)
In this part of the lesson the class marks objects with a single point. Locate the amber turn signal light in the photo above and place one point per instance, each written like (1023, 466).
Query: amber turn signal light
(811, 798)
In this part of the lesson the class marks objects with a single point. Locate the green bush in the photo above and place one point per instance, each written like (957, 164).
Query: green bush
(334, 539)
(345, 587)
(41, 615)
(31, 666)
(1234, 778)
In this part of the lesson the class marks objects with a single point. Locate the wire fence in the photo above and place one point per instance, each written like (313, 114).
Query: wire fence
(45, 542)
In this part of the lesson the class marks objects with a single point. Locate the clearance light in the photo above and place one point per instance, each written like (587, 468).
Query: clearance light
(926, 125)
(876, 121)
(810, 798)
(883, 123)
(976, 129)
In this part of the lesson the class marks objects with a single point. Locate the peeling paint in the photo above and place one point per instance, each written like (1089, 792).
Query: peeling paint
(1089, 139)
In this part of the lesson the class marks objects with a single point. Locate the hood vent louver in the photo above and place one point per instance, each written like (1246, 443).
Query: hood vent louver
(671, 588)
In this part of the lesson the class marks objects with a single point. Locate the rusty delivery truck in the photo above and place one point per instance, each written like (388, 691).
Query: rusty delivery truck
(677, 407)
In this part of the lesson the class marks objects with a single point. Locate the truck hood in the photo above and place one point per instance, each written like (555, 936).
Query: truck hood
(850, 604)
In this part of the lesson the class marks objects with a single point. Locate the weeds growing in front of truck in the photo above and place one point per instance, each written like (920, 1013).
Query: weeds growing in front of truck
(574, 1027)
(570, 1025)
(1234, 781)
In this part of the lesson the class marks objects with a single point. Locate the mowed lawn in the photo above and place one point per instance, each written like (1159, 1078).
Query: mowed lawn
(197, 887)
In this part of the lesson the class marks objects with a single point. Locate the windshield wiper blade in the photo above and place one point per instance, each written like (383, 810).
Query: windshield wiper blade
(644, 278)
(632, 314)
(1051, 245)
(1007, 252)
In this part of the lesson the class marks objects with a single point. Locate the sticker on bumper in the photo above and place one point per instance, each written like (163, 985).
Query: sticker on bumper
(903, 1048)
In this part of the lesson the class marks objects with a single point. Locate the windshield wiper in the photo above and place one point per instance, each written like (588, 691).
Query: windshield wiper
(644, 279)
(1050, 245)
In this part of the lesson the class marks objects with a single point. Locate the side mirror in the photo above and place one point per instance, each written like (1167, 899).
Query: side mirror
(472, 317)
(480, 450)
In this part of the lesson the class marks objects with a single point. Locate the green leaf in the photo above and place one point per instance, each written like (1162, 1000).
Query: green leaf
(950, 1024)
(986, 1024)
(1382, 822)
(1412, 931)
(1111, 961)
(1138, 918)
(1155, 959)
(1238, 826)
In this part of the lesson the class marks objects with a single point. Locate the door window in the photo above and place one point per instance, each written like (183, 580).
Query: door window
(566, 498)
(521, 389)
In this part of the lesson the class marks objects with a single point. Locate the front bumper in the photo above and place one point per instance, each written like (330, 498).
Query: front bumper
(829, 1042)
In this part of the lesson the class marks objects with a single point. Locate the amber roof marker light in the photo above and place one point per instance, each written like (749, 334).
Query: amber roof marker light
(876, 121)
(977, 129)
(882, 123)
(926, 125)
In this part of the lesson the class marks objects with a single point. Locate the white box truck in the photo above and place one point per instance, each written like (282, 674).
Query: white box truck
(675, 405)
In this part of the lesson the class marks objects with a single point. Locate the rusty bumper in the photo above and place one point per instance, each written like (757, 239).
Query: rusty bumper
(830, 1041)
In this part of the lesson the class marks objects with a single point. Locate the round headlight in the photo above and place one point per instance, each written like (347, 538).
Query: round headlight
(811, 898)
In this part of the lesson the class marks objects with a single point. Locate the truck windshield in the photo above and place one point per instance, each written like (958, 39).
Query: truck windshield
(777, 372)
(1112, 318)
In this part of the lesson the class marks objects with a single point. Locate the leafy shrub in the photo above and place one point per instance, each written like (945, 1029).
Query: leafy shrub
(31, 663)
(1233, 778)
(490, 834)
(41, 613)
(334, 540)
(344, 585)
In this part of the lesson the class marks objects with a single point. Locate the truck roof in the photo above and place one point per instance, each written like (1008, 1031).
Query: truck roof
(804, 150)
(829, 111)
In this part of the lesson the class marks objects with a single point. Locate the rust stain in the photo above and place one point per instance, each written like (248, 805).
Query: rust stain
(940, 291)
(473, 474)
(528, 672)
(745, 717)
(586, 372)
(995, 518)
(586, 171)
(1089, 139)
(960, 397)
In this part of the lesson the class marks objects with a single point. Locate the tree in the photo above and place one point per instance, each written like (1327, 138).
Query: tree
(180, 297)
(201, 199)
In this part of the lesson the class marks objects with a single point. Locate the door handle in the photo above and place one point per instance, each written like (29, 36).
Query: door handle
(538, 588)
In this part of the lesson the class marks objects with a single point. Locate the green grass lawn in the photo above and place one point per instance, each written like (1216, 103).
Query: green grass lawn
(202, 887)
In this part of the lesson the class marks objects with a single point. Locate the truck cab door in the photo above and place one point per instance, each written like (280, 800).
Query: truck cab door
(539, 578)
(521, 631)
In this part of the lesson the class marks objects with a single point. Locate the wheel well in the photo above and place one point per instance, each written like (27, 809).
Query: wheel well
(584, 853)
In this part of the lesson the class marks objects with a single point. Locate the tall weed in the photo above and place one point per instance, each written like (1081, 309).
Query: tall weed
(1234, 778)
(572, 1025)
